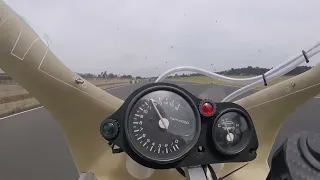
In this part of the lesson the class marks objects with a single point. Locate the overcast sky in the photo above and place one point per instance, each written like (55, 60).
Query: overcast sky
(136, 37)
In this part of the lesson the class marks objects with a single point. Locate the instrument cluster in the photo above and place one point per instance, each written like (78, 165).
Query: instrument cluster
(162, 126)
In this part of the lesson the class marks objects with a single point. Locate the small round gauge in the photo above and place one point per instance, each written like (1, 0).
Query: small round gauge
(162, 125)
(231, 132)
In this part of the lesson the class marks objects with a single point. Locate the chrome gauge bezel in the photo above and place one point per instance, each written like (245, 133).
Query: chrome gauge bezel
(186, 98)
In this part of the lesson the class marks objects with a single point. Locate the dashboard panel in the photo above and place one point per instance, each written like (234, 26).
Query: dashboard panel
(162, 125)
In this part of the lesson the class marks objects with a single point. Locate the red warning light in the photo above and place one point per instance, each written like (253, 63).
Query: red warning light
(207, 108)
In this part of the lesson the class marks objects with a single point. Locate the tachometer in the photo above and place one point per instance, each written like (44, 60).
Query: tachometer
(162, 125)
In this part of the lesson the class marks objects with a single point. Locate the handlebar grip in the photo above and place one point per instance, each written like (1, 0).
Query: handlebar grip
(298, 158)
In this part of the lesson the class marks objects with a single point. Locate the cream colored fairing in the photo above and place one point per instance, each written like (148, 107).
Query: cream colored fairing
(269, 109)
(80, 108)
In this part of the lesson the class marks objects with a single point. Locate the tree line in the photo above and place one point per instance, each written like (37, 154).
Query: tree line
(251, 71)
(104, 74)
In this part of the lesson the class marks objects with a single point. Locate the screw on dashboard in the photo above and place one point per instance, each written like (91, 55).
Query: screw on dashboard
(79, 81)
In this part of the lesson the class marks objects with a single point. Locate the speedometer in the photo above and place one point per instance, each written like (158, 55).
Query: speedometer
(162, 125)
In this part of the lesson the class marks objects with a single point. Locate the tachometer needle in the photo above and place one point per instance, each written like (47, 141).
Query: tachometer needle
(165, 125)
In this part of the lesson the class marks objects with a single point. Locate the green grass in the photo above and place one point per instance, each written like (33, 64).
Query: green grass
(207, 80)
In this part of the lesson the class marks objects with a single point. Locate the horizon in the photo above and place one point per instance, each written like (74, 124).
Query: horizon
(188, 72)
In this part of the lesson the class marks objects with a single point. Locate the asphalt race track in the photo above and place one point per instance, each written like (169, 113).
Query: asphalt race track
(32, 146)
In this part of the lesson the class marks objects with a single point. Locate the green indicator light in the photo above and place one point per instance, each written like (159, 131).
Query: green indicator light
(109, 129)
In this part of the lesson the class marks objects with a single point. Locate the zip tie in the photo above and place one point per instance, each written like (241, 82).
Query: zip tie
(264, 80)
(305, 56)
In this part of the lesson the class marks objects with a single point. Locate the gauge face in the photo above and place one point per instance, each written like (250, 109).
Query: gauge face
(231, 132)
(162, 126)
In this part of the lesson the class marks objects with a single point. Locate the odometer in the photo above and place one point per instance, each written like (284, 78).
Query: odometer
(162, 125)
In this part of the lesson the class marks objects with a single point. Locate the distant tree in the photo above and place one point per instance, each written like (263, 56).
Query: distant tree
(111, 76)
(248, 71)
(126, 76)
(90, 75)
(196, 74)
(87, 75)
(184, 75)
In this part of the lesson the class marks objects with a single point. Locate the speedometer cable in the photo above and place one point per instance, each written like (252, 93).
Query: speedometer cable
(232, 172)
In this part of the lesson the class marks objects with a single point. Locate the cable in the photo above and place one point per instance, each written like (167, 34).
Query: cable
(208, 173)
(213, 174)
(222, 178)
(269, 78)
(278, 71)
(229, 79)
(181, 172)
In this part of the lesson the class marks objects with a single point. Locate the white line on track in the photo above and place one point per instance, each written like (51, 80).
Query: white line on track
(39, 108)
(21, 113)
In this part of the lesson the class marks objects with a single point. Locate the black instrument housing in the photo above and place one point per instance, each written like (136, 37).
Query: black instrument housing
(194, 157)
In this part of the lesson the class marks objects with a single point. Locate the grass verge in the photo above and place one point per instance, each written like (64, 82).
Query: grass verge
(207, 80)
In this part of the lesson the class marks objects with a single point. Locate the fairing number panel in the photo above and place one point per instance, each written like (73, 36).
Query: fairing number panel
(162, 126)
